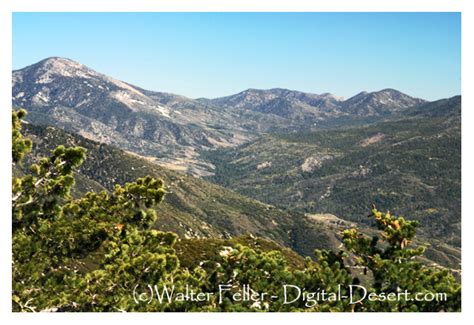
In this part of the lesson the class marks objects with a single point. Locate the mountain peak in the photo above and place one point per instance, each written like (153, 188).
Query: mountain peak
(388, 90)
(284, 92)
(57, 70)
(53, 59)
(46, 70)
(57, 63)
(380, 102)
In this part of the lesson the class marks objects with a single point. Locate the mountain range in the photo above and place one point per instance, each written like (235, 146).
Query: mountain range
(290, 166)
(170, 129)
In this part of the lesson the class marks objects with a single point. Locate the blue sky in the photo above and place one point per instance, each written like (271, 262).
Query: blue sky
(218, 54)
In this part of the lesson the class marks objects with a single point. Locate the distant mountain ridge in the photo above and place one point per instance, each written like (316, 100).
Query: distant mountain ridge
(381, 102)
(363, 104)
(172, 129)
(252, 98)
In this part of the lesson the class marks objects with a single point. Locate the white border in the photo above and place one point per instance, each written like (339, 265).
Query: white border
(9, 6)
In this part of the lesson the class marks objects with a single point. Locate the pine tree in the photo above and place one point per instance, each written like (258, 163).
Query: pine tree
(394, 266)
(57, 239)
(91, 253)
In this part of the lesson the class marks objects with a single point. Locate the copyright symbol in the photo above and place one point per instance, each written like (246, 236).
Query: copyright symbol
(142, 295)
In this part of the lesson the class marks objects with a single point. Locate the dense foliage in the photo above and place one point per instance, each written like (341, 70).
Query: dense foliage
(92, 253)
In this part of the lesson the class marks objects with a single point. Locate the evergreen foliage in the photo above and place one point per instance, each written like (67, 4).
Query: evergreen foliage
(91, 253)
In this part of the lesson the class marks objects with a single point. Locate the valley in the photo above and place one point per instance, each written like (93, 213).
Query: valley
(292, 167)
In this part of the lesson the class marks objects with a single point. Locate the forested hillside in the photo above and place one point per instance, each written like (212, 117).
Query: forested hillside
(192, 208)
(91, 252)
(411, 165)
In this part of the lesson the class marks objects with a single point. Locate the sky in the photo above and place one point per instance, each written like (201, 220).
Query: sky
(218, 54)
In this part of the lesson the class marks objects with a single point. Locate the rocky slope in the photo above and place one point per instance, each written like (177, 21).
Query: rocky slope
(306, 109)
(379, 103)
(67, 94)
(170, 129)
